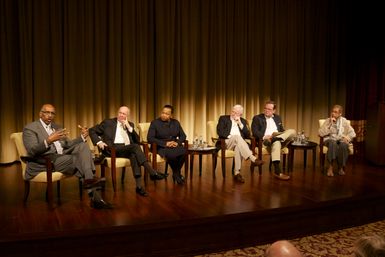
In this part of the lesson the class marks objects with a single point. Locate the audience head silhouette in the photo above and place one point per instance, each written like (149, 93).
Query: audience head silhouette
(282, 248)
(370, 246)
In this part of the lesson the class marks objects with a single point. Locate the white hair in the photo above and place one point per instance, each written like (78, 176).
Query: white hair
(238, 108)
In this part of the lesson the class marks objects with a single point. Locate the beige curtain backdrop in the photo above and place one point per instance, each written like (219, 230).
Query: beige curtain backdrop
(88, 57)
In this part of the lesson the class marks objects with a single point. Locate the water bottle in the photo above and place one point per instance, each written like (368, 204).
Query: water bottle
(303, 138)
(195, 142)
(200, 141)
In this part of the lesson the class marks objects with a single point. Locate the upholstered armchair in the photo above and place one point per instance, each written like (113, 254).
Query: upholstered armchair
(223, 153)
(324, 148)
(258, 149)
(47, 176)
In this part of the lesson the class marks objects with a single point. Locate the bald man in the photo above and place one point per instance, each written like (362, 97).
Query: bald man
(282, 248)
(119, 133)
(44, 138)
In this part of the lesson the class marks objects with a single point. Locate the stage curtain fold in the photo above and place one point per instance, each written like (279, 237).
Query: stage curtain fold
(89, 57)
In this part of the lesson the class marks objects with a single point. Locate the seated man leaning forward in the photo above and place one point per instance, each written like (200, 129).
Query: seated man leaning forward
(268, 127)
(233, 128)
(119, 133)
(45, 138)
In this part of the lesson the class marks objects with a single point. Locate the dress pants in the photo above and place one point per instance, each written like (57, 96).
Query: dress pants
(275, 148)
(134, 153)
(337, 150)
(76, 159)
(174, 156)
(240, 148)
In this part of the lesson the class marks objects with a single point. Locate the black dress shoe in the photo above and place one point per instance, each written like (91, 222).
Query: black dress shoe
(157, 176)
(277, 139)
(178, 178)
(101, 204)
(140, 191)
(238, 178)
(99, 159)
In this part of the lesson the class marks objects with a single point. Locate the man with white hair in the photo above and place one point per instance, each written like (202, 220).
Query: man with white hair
(282, 248)
(234, 129)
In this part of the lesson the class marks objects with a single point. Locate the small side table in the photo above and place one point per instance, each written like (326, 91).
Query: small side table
(308, 146)
(202, 151)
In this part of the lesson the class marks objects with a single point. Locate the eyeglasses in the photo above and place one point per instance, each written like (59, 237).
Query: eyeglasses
(48, 113)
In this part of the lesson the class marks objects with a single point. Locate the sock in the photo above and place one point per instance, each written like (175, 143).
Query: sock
(138, 182)
(148, 167)
(236, 172)
(277, 169)
(94, 194)
(90, 193)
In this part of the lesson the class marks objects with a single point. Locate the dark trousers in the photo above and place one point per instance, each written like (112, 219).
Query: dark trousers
(174, 156)
(134, 153)
(337, 150)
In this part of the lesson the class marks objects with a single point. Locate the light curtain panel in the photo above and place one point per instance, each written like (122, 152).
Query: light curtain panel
(88, 58)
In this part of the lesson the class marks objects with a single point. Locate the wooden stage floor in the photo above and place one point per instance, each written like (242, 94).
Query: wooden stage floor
(205, 215)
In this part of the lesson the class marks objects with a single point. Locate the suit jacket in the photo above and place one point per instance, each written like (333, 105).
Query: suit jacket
(258, 126)
(224, 127)
(34, 135)
(106, 130)
(160, 132)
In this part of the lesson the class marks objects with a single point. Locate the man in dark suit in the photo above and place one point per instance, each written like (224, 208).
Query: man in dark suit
(44, 138)
(268, 127)
(233, 128)
(120, 133)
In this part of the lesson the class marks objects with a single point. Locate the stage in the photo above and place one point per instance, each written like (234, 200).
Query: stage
(205, 215)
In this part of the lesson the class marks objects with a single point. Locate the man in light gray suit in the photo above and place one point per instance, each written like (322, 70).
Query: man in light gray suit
(44, 138)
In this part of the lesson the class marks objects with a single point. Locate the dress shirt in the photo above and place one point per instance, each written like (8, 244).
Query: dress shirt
(271, 127)
(235, 128)
(50, 130)
(121, 136)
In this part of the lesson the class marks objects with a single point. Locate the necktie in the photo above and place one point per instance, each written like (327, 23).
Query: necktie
(124, 135)
(59, 148)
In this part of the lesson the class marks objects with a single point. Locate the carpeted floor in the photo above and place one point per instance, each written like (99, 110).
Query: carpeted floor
(334, 244)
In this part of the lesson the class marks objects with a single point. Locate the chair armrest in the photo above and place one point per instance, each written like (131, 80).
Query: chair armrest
(185, 144)
(253, 144)
(145, 148)
(259, 143)
(112, 150)
(321, 143)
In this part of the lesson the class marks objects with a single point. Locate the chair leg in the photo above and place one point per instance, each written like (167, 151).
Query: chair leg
(80, 189)
(145, 176)
(166, 168)
(26, 190)
(223, 166)
(270, 164)
(49, 195)
(322, 160)
(232, 167)
(123, 175)
(113, 177)
(58, 191)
